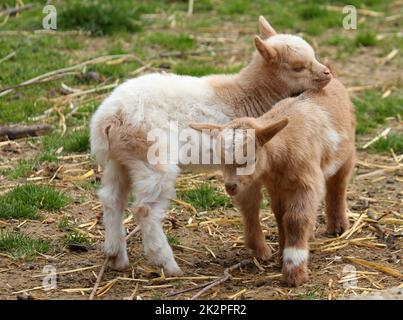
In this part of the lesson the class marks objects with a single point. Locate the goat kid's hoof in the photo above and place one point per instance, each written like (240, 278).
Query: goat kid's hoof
(264, 253)
(119, 262)
(337, 228)
(295, 276)
(173, 271)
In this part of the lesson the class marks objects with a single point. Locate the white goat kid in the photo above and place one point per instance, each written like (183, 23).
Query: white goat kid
(284, 65)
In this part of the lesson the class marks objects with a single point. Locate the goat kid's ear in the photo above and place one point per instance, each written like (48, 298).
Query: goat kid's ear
(268, 53)
(265, 29)
(264, 135)
(208, 128)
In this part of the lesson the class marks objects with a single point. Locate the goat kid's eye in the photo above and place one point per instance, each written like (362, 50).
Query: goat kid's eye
(298, 69)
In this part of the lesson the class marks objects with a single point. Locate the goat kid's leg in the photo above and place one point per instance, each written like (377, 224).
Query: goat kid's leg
(249, 203)
(298, 223)
(278, 213)
(336, 202)
(154, 187)
(156, 246)
(113, 197)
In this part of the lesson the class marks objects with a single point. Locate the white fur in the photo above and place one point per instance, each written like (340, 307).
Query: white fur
(333, 140)
(296, 43)
(155, 100)
(333, 137)
(113, 202)
(156, 246)
(331, 169)
(293, 257)
(153, 190)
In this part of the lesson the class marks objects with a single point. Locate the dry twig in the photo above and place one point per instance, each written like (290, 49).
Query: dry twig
(12, 133)
(218, 281)
(383, 134)
(102, 59)
(102, 271)
(190, 8)
(9, 56)
(14, 11)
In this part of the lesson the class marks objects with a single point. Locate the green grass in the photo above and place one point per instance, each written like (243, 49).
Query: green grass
(26, 166)
(72, 236)
(264, 204)
(74, 141)
(117, 71)
(77, 141)
(89, 184)
(311, 11)
(234, 7)
(345, 46)
(378, 5)
(64, 224)
(366, 39)
(40, 196)
(17, 111)
(23, 202)
(392, 141)
(34, 55)
(310, 295)
(99, 17)
(316, 19)
(173, 239)
(197, 69)
(372, 110)
(181, 42)
(205, 197)
(76, 238)
(23, 168)
(12, 208)
(22, 246)
(46, 156)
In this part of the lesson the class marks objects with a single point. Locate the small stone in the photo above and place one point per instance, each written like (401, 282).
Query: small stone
(93, 75)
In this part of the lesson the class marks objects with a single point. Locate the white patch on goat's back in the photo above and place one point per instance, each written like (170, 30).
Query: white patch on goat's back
(160, 98)
(153, 101)
(293, 257)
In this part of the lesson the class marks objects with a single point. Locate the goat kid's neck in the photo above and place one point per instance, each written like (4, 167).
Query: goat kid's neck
(272, 158)
(252, 92)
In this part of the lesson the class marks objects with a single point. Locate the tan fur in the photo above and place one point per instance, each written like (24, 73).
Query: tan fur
(292, 166)
(261, 84)
(125, 141)
(265, 29)
(253, 92)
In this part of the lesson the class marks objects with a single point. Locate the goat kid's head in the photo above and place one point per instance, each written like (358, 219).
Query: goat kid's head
(292, 57)
(239, 145)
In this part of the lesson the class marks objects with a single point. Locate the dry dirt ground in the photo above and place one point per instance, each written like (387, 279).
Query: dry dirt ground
(208, 242)
(212, 241)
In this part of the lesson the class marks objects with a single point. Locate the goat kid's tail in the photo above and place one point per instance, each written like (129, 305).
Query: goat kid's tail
(113, 137)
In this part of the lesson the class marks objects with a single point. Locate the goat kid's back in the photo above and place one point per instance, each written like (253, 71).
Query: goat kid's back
(321, 129)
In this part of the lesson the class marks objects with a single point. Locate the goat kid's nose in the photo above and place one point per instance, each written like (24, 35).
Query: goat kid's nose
(231, 188)
(326, 72)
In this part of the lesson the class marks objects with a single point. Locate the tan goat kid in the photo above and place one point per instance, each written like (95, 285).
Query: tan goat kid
(304, 148)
